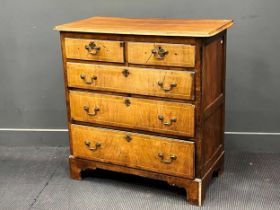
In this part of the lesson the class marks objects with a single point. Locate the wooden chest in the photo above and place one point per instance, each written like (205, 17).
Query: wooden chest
(146, 97)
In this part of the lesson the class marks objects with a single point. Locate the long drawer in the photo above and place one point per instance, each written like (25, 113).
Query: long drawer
(147, 152)
(154, 82)
(95, 50)
(181, 55)
(144, 114)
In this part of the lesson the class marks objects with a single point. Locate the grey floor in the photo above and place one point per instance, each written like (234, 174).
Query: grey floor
(37, 178)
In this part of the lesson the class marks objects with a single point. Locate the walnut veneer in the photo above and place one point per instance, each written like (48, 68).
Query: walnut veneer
(146, 97)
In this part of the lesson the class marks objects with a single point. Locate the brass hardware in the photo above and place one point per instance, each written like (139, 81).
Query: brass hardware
(125, 72)
(128, 138)
(159, 52)
(171, 158)
(172, 120)
(96, 109)
(89, 82)
(97, 145)
(127, 102)
(166, 89)
(222, 41)
(92, 48)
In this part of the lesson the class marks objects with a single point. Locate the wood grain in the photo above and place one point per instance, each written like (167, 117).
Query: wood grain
(110, 51)
(178, 54)
(197, 101)
(213, 71)
(140, 114)
(116, 149)
(131, 80)
(148, 26)
(213, 101)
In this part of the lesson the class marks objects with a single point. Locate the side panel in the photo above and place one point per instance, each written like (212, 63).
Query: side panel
(213, 76)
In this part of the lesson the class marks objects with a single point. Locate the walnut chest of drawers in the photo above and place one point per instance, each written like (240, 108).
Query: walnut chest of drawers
(146, 97)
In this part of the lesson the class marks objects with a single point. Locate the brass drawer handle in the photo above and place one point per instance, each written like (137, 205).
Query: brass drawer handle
(170, 160)
(92, 48)
(97, 145)
(159, 52)
(90, 81)
(125, 72)
(94, 113)
(166, 89)
(128, 138)
(167, 123)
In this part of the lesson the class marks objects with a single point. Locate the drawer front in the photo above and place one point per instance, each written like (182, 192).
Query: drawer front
(151, 153)
(158, 116)
(161, 54)
(96, 50)
(163, 83)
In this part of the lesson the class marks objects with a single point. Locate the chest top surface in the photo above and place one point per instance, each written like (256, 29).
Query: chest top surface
(148, 26)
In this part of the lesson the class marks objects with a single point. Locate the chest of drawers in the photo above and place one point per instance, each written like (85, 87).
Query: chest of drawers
(146, 97)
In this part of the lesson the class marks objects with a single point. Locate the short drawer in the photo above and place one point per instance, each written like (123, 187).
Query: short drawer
(153, 82)
(134, 150)
(152, 115)
(95, 50)
(179, 55)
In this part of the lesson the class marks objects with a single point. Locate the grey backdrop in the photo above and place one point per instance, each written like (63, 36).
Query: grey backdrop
(31, 81)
